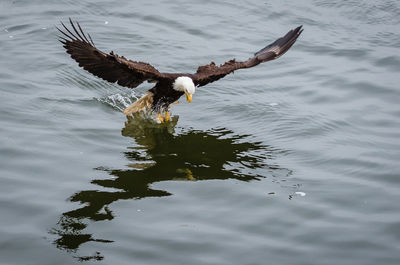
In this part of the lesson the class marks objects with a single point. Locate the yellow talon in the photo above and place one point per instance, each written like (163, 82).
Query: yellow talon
(167, 116)
(160, 118)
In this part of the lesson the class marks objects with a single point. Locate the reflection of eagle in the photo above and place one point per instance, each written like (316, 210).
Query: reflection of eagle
(160, 155)
(169, 86)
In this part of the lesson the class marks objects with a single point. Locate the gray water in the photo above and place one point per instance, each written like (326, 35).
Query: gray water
(294, 161)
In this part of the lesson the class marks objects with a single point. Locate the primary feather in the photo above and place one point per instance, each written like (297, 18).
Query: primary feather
(110, 67)
(210, 73)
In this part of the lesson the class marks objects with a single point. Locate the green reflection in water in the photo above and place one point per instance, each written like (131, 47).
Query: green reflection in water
(163, 155)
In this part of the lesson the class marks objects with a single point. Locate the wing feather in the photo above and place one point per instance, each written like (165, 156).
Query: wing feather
(209, 73)
(110, 67)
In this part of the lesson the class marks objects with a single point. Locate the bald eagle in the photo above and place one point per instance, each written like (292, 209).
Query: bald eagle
(169, 87)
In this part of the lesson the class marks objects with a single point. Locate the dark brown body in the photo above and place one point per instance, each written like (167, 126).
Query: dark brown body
(164, 95)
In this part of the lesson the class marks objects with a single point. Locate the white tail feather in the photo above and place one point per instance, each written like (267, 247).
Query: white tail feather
(144, 103)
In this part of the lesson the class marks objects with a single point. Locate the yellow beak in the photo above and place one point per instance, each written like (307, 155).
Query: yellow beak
(188, 96)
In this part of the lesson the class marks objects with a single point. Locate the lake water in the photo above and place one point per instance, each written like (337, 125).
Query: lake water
(295, 161)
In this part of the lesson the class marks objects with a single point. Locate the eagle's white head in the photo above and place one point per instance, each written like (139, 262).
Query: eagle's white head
(185, 84)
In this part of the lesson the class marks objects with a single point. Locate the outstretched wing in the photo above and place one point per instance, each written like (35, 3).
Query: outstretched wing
(210, 73)
(110, 67)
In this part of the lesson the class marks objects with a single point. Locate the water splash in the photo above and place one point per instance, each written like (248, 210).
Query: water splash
(119, 101)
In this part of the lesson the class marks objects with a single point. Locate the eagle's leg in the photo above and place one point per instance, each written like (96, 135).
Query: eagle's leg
(160, 118)
(167, 116)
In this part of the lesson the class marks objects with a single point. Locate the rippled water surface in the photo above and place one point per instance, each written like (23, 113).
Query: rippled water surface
(295, 161)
